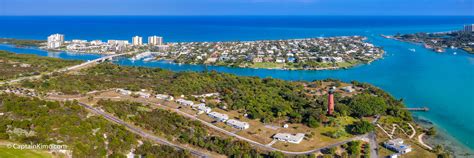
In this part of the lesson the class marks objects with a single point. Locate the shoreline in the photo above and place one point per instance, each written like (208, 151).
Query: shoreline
(442, 138)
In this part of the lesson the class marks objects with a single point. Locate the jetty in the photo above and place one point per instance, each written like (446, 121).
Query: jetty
(418, 109)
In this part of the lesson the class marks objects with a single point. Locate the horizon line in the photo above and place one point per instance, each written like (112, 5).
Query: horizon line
(237, 15)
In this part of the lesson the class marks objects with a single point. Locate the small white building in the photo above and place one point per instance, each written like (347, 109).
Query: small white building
(393, 156)
(218, 116)
(202, 108)
(287, 137)
(123, 91)
(280, 60)
(397, 146)
(238, 124)
(348, 89)
(164, 97)
(143, 94)
(185, 102)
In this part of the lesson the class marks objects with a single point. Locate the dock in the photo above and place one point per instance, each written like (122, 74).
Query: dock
(418, 109)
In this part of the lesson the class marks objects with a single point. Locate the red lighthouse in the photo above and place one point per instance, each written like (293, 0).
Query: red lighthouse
(331, 100)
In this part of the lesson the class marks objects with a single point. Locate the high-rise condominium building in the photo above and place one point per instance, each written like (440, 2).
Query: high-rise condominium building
(55, 41)
(155, 40)
(469, 28)
(137, 41)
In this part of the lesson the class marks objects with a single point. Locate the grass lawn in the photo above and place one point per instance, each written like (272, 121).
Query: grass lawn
(267, 65)
(13, 153)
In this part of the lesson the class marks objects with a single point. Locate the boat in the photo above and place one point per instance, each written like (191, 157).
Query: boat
(149, 59)
(455, 53)
(413, 49)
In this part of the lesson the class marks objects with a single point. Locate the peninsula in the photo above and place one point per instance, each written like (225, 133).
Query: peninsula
(438, 42)
(304, 54)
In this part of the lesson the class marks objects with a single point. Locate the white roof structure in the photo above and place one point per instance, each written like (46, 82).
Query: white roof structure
(218, 116)
(238, 124)
(287, 137)
(184, 102)
(143, 94)
(202, 107)
(123, 91)
(348, 89)
(398, 146)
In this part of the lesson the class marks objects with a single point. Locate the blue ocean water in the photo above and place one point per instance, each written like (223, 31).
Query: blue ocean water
(444, 82)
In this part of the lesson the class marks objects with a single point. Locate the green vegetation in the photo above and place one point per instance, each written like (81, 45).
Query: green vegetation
(17, 65)
(267, 65)
(148, 150)
(22, 43)
(264, 99)
(362, 127)
(6, 152)
(31, 120)
(354, 147)
(431, 131)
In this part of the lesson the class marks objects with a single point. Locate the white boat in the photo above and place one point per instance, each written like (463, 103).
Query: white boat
(413, 49)
(149, 59)
(455, 53)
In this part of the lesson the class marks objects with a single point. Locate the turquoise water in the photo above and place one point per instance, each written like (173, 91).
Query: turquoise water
(443, 82)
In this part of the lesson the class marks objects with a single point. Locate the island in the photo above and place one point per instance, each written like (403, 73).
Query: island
(152, 112)
(440, 41)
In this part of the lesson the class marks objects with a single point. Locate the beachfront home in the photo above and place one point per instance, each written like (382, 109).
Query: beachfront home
(218, 116)
(123, 91)
(397, 146)
(184, 102)
(287, 137)
(237, 124)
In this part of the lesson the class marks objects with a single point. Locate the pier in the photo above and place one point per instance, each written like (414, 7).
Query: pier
(418, 109)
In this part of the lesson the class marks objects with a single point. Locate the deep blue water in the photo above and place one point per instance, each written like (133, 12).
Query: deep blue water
(443, 82)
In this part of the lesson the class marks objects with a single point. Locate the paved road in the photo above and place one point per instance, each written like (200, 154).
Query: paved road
(373, 140)
(141, 132)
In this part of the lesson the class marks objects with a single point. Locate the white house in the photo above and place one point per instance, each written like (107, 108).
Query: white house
(164, 97)
(238, 124)
(348, 89)
(123, 91)
(184, 102)
(202, 108)
(218, 116)
(143, 94)
(287, 137)
(397, 146)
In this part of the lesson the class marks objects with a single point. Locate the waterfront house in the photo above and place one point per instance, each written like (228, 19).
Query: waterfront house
(238, 124)
(287, 137)
(218, 116)
(398, 146)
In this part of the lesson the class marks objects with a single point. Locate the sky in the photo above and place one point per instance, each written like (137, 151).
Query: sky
(237, 7)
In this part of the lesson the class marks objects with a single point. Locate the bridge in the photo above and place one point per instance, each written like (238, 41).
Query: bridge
(418, 109)
(95, 61)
